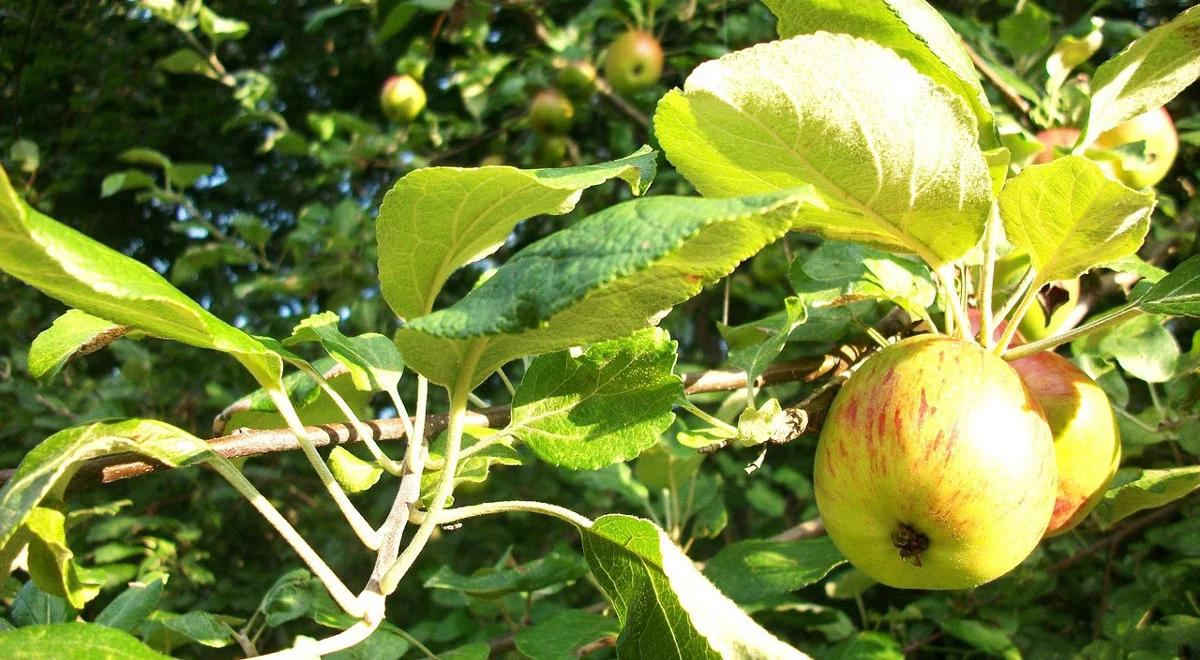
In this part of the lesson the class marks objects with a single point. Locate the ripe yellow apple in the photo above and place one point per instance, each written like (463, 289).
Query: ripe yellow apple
(1087, 442)
(402, 98)
(935, 467)
(1162, 144)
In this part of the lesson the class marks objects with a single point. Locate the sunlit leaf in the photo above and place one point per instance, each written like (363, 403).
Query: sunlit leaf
(752, 570)
(74, 334)
(1150, 489)
(74, 640)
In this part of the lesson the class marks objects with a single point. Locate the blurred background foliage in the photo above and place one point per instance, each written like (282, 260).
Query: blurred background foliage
(240, 149)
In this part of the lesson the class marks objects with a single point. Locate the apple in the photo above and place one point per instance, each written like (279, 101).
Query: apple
(1087, 442)
(1055, 137)
(551, 150)
(577, 78)
(1156, 129)
(1052, 311)
(551, 112)
(634, 61)
(402, 98)
(935, 466)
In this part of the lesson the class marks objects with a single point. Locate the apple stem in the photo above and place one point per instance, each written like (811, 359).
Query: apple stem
(1101, 323)
(987, 278)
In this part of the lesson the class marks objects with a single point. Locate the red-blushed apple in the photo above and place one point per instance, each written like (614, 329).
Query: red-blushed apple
(1055, 137)
(402, 98)
(1157, 130)
(634, 61)
(935, 467)
(1087, 443)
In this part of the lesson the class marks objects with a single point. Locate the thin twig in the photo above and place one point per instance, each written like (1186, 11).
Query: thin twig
(1117, 537)
(1007, 91)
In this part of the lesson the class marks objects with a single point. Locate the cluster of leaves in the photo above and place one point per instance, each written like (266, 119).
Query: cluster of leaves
(597, 281)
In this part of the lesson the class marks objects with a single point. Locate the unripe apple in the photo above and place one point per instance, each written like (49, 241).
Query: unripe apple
(935, 467)
(1053, 309)
(402, 98)
(1087, 443)
(1162, 144)
(577, 78)
(634, 61)
(551, 150)
(551, 112)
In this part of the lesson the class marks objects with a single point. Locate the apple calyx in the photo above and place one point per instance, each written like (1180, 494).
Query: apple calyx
(911, 543)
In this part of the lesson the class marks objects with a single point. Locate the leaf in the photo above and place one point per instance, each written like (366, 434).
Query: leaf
(1150, 489)
(386, 643)
(66, 265)
(72, 335)
(372, 359)
(606, 406)
(353, 473)
(74, 640)
(184, 175)
(218, 28)
(1178, 293)
(841, 273)
(753, 346)
(438, 219)
(602, 278)
(125, 180)
(131, 607)
(212, 630)
(291, 597)
(911, 28)
(666, 466)
(471, 469)
(1142, 346)
(892, 156)
(986, 638)
(51, 562)
(1135, 265)
(145, 156)
(1069, 217)
(666, 607)
(56, 459)
(1147, 74)
(32, 606)
(559, 636)
(553, 569)
(186, 60)
(754, 570)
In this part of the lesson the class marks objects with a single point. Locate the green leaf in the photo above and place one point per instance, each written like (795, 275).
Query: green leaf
(986, 638)
(753, 346)
(129, 609)
(125, 180)
(666, 607)
(218, 28)
(1137, 266)
(754, 570)
(291, 597)
(1150, 489)
(1178, 293)
(1069, 217)
(553, 569)
(372, 359)
(1144, 76)
(438, 219)
(667, 466)
(386, 643)
(911, 28)
(32, 606)
(353, 473)
(1026, 31)
(841, 273)
(868, 645)
(74, 640)
(145, 156)
(51, 562)
(625, 265)
(892, 155)
(186, 60)
(473, 651)
(184, 175)
(56, 459)
(212, 630)
(474, 468)
(72, 335)
(1142, 346)
(96, 279)
(606, 406)
(558, 637)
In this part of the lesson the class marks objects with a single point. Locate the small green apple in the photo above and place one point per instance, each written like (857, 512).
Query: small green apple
(551, 150)
(935, 467)
(1087, 442)
(402, 98)
(1156, 129)
(551, 112)
(634, 61)
(577, 78)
